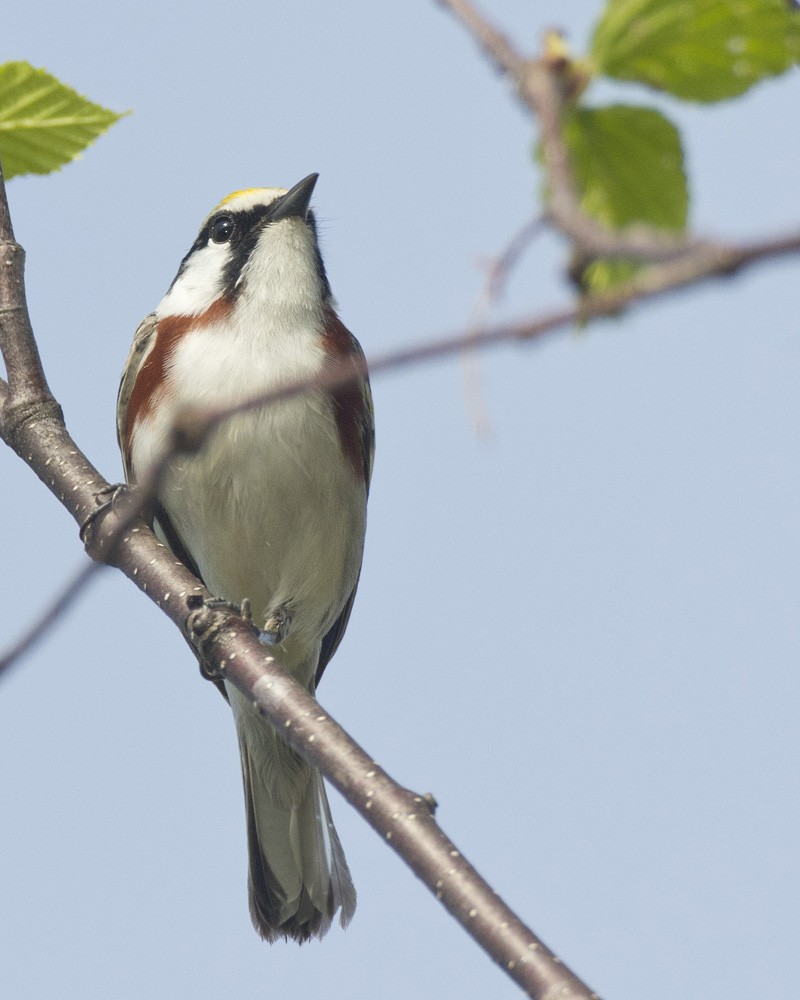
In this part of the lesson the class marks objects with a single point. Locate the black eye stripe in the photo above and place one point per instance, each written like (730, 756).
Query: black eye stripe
(246, 228)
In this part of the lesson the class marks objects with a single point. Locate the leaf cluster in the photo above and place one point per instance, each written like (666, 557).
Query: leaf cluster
(628, 159)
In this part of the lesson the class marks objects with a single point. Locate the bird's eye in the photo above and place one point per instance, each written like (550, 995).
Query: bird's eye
(222, 229)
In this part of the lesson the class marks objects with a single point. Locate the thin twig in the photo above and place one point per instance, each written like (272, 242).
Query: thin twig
(540, 85)
(710, 261)
(6, 226)
(61, 603)
(497, 271)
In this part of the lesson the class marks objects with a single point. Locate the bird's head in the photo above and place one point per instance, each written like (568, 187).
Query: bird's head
(257, 248)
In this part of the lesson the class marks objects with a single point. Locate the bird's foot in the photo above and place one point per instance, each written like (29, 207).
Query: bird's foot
(243, 610)
(203, 628)
(105, 499)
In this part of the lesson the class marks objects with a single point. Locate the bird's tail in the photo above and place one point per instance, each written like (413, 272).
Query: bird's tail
(299, 877)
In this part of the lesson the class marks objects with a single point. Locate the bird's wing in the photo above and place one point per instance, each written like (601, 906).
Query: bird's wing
(143, 342)
(366, 420)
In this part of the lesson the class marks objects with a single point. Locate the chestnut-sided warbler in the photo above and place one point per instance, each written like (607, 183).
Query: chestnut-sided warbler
(272, 509)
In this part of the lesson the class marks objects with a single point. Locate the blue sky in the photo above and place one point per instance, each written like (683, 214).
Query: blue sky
(579, 631)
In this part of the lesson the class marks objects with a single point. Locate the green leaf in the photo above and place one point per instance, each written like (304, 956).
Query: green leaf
(603, 275)
(700, 50)
(628, 165)
(44, 123)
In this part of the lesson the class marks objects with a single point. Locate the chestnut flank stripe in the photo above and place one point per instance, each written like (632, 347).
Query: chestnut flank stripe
(348, 400)
(152, 375)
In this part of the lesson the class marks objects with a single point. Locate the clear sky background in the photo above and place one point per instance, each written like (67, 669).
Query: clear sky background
(580, 632)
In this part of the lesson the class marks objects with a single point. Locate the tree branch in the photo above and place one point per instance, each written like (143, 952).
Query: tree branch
(228, 646)
(27, 388)
(32, 424)
(542, 85)
(713, 260)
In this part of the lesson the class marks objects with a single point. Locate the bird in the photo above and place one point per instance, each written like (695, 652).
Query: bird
(271, 511)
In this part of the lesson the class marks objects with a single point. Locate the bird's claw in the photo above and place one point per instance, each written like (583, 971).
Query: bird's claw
(204, 627)
(105, 500)
(243, 610)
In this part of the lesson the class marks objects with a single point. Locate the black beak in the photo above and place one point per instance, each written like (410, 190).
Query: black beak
(296, 201)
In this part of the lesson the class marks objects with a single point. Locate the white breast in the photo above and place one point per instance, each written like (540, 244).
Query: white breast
(269, 509)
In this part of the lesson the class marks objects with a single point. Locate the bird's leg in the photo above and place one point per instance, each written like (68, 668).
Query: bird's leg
(276, 627)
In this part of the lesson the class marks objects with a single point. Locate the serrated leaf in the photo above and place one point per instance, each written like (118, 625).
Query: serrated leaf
(43, 122)
(628, 166)
(700, 50)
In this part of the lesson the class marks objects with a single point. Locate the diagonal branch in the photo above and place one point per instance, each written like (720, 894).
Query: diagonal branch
(227, 646)
(713, 261)
(32, 424)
